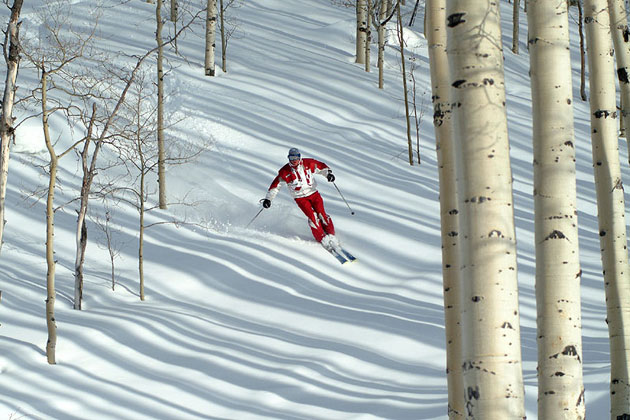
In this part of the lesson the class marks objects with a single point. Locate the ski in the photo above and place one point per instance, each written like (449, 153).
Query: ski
(342, 259)
(348, 255)
(332, 245)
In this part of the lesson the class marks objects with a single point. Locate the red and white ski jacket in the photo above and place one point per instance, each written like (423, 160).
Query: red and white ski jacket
(299, 179)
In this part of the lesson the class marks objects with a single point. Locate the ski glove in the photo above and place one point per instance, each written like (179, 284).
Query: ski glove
(266, 203)
(330, 177)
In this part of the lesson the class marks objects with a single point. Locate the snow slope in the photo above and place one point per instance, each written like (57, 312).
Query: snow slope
(262, 323)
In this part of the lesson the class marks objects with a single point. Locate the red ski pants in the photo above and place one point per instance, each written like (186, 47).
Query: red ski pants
(313, 207)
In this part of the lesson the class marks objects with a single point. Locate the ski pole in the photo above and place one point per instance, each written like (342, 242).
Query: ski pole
(343, 198)
(251, 221)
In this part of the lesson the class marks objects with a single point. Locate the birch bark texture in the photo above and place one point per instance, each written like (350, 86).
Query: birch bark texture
(435, 34)
(582, 51)
(160, 109)
(211, 35)
(8, 99)
(401, 43)
(81, 235)
(174, 11)
(492, 368)
(362, 28)
(381, 42)
(368, 35)
(621, 42)
(223, 37)
(558, 273)
(610, 199)
(51, 295)
(515, 25)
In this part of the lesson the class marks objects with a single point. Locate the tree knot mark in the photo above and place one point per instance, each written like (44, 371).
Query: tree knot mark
(455, 19)
(602, 113)
(458, 83)
(556, 234)
(473, 393)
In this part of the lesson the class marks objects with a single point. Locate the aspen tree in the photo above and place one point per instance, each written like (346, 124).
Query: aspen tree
(621, 42)
(160, 100)
(59, 92)
(174, 16)
(88, 167)
(53, 165)
(492, 371)
(401, 43)
(223, 37)
(12, 57)
(560, 384)
(610, 200)
(515, 23)
(51, 324)
(368, 35)
(382, 16)
(435, 33)
(173, 11)
(582, 51)
(160, 107)
(140, 155)
(211, 33)
(361, 37)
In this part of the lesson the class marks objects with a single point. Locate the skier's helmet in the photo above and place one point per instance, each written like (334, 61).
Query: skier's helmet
(295, 158)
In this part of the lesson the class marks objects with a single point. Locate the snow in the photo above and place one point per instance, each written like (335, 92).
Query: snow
(261, 322)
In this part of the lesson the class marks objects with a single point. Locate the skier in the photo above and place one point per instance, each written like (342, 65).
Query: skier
(298, 175)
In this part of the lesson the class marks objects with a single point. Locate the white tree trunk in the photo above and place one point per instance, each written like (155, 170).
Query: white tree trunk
(610, 200)
(81, 232)
(211, 34)
(223, 37)
(435, 33)
(81, 245)
(174, 10)
(515, 23)
(582, 51)
(141, 211)
(368, 35)
(381, 42)
(6, 118)
(51, 324)
(493, 382)
(160, 109)
(621, 41)
(558, 273)
(401, 43)
(362, 22)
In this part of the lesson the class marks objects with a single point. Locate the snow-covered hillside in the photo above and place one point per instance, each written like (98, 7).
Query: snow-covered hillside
(261, 322)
